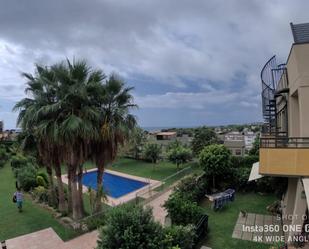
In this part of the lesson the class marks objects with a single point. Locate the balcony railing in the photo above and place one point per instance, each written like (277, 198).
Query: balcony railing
(284, 142)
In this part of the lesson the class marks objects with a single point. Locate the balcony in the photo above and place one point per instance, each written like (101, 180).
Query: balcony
(284, 156)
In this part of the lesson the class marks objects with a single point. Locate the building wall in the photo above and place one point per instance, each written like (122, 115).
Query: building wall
(294, 202)
(298, 75)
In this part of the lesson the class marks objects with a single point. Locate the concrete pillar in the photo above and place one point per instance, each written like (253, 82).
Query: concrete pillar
(300, 206)
(289, 199)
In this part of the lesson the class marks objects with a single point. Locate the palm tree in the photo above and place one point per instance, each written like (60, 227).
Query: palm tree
(62, 116)
(38, 86)
(77, 118)
(114, 102)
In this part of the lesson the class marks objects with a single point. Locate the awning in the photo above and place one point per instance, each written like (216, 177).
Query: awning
(254, 174)
(306, 187)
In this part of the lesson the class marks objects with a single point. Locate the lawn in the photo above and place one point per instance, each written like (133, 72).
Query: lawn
(221, 223)
(140, 168)
(33, 218)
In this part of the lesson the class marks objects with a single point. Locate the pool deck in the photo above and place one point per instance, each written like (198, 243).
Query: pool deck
(125, 198)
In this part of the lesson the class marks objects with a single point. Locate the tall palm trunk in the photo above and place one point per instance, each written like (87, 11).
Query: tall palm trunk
(76, 201)
(69, 190)
(80, 189)
(61, 197)
(52, 194)
(98, 206)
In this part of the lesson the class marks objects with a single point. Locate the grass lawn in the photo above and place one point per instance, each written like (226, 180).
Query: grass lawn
(157, 171)
(140, 168)
(222, 222)
(33, 218)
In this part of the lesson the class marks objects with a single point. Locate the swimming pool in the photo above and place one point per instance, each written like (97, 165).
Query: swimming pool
(114, 185)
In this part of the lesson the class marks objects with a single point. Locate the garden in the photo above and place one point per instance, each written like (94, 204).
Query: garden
(38, 213)
(78, 118)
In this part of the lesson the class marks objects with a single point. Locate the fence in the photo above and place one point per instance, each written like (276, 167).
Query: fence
(284, 142)
(157, 189)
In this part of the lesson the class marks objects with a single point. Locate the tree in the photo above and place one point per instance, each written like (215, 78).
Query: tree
(256, 147)
(62, 117)
(136, 141)
(203, 136)
(183, 211)
(130, 227)
(114, 103)
(75, 113)
(179, 155)
(152, 152)
(215, 160)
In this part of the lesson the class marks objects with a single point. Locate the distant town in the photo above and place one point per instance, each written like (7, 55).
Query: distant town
(238, 138)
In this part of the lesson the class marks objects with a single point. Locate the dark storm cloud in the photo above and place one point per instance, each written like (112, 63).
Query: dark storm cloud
(202, 48)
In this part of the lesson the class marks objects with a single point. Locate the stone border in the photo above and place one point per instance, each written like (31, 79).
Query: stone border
(125, 198)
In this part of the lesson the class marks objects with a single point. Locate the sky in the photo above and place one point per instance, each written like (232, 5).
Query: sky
(190, 62)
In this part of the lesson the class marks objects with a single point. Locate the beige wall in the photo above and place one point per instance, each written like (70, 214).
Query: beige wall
(297, 65)
(284, 161)
(298, 75)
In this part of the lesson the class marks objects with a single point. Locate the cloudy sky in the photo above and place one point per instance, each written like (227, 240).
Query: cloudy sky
(191, 62)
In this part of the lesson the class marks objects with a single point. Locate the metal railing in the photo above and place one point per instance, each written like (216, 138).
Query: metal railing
(284, 142)
(274, 84)
(146, 195)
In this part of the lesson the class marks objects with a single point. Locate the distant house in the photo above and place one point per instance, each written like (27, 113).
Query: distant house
(237, 147)
(8, 135)
(168, 135)
(249, 139)
(235, 142)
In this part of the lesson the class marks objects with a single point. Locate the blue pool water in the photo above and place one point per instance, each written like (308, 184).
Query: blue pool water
(113, 185)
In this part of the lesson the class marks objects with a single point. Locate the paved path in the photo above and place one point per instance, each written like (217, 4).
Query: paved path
(158, 210)
(48, 239)
(43, 239)
(85, 241)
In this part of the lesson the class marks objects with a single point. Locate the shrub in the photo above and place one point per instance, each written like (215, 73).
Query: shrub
(240, 171)
(276, 185)
(180, 236)
(192, 188)
(4, 156)
(44, 176)
(41, 181)
(40, 194)
(26, 177)
(17, 163)
(246, 161)
(25, 171)
(130, 227)
(96, 221)
(183, 211)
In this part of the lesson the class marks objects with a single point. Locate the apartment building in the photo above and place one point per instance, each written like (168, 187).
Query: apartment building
(235, 142)
(284, 143)
(249, 137)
